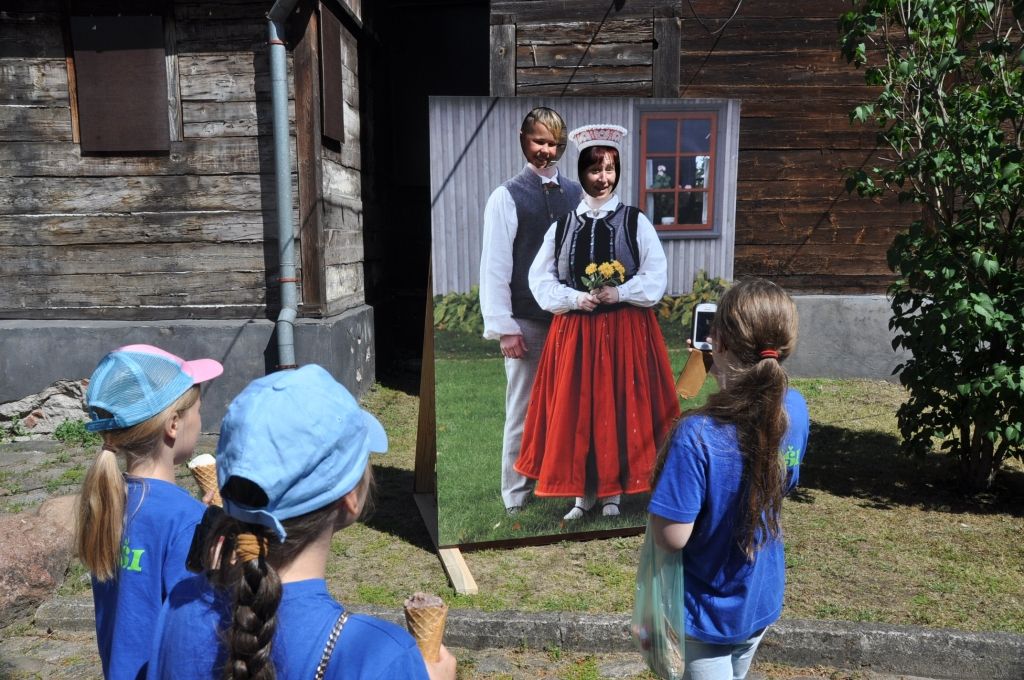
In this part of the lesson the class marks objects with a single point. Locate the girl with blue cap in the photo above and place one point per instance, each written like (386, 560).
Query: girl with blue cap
(134, 529)
(293, 469)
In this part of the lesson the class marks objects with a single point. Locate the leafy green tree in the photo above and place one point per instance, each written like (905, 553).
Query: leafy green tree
(950, 115)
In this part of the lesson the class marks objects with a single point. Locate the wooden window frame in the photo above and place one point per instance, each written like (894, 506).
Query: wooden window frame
(708, 190)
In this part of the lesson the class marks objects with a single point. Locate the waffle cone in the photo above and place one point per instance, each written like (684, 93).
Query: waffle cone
(206, 478)
(426, 624)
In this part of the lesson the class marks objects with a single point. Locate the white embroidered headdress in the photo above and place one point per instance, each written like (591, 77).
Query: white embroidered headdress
(598, 135)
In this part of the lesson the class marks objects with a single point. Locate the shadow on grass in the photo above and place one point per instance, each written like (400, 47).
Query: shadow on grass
(868, 465)
(395, 511)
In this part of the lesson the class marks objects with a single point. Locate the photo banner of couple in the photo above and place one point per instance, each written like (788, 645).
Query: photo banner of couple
(499, 181)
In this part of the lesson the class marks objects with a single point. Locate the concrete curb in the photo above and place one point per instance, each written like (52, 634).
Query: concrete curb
(906, 650)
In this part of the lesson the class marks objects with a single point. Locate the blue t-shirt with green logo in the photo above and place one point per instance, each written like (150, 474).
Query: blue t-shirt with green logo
(727, 598)
(160, 519)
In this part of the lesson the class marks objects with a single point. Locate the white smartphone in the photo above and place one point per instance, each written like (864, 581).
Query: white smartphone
(703, 315)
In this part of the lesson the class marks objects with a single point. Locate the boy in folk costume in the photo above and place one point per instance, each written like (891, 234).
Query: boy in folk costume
(516, 217)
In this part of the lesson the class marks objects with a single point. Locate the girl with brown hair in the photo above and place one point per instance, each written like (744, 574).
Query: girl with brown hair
(293, 469)
(134, 529)
(721, 480)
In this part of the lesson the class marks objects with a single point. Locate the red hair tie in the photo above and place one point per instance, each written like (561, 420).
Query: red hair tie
(769, 354)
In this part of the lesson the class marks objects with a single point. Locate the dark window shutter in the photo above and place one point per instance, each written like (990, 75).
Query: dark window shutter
(122, 83)
(332, 106)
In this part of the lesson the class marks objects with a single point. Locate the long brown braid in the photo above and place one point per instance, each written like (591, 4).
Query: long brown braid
(254, 583)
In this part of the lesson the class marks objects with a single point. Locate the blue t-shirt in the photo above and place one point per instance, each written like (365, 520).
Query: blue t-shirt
(160, 519)
(187, 642)
(727, 598)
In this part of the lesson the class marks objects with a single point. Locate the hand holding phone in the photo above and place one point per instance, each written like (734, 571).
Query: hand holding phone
(703, 315)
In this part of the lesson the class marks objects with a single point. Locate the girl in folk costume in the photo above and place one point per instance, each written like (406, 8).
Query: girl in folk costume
(718, 496)
(134, 530)
(290, 479)
(604, 398)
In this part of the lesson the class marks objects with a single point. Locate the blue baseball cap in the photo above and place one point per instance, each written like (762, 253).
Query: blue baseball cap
(136, 382)
(300, 437)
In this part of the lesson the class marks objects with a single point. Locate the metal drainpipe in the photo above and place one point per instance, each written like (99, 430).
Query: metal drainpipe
(283, 184)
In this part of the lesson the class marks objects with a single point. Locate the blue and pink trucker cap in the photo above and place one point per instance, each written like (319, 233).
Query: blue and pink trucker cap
(136, 382)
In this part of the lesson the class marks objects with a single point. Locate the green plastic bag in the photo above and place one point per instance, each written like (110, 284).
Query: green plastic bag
(658, 627)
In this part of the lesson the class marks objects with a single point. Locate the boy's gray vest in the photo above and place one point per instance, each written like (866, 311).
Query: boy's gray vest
(537, 207)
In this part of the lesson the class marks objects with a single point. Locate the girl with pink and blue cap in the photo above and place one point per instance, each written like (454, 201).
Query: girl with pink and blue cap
(134, 528)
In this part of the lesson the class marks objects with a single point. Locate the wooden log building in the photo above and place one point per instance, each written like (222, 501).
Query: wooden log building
(162, 230)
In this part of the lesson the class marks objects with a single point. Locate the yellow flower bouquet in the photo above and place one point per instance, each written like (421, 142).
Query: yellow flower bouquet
(604, 274)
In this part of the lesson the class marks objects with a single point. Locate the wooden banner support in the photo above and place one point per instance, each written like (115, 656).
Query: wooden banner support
(425, 484)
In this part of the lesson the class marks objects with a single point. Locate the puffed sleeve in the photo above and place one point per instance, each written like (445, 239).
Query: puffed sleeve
(648, 286)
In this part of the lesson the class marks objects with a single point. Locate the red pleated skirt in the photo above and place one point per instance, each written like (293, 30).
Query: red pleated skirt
(604, 388)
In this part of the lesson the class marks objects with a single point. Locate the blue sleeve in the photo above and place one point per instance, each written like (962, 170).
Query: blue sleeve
(408, 665)
(794, 445)
(155, 670)
(174, 570)
(679, 494)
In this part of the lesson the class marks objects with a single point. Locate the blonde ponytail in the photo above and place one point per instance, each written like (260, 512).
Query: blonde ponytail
(101, 506)
(100, 520)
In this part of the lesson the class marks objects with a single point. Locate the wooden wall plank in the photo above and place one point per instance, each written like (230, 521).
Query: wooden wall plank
(581, 54)
(130, 258)
(666, 48)
(219, 119)
(585, 87)
(224, 77)
(817, 67)
(229, 155)
(125, 291)
(584, 10)
(133, 194)
(563, 32)
(503, 55)
(149, 227)
(31, 35)
(33, 124)
(34, 81)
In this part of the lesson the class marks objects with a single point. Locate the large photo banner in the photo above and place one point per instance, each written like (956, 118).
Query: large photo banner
(558, 224)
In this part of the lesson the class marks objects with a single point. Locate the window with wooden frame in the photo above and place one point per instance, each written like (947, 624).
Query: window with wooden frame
(117, 68)
(679, 154)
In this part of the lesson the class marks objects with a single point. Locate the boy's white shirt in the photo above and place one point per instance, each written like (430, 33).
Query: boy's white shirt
(501, 223)
(645, 289)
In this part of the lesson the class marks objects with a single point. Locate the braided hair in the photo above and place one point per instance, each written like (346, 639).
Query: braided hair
(243, 559)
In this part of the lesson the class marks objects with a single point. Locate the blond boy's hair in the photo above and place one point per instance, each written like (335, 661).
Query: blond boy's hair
(550, 119)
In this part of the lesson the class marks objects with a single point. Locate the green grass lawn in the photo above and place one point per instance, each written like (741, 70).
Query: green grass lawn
(871, 535)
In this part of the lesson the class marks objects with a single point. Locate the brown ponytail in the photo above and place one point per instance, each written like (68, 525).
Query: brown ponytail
(101, 505)
(756, 323)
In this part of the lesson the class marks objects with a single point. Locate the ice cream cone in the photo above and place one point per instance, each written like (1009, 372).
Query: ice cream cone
(204, 470)
(425, 617)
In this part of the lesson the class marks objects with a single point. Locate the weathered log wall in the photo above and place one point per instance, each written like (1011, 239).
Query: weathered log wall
(794, 221)
(191, 234)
